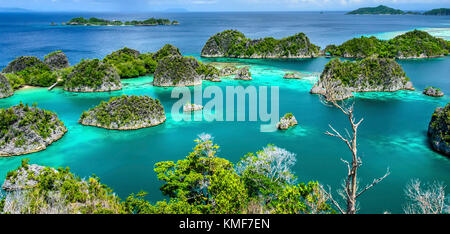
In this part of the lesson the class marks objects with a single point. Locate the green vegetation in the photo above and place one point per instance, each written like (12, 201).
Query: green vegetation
(97, 21)
(125, 112)
(38, 75)
(432, 87)
(439, 127)
(202, 183)
(440, 11)
(19, 123)
(92, 74)
(130, 63)
(232, 43)
(288, 115)
(376, 11)
(14, 80)
(375, 71)
(52, 53)
(207, 70)
(29, 70)
(166, 50)
(60, 191)
(412, 44)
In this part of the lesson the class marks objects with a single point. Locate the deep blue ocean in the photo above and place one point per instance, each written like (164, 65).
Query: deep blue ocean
(392, 135)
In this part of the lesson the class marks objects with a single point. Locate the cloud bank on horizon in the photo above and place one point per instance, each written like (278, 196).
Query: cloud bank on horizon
(217, 5)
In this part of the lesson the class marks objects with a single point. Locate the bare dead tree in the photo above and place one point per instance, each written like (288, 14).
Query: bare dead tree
(351, 191)
(431, 200)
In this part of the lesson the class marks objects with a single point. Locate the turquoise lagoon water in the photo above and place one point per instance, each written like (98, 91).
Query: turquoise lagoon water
(392, 135)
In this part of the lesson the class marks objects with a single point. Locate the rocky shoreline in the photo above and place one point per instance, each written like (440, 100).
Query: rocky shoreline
(433, 92)
(287, 121)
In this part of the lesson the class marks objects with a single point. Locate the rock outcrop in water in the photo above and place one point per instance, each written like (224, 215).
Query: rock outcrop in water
(93, 76)
(208, 72)
(439, 130)
(432, 91)
(192, 107)
(130, 63)
(340, 79)
(29, 70)
(232, 43)
(57, 60)
(243, 74)
(28, 129)
(287, 121)
(177, 70)
(5, 87)
(125, 113)
(291, 75)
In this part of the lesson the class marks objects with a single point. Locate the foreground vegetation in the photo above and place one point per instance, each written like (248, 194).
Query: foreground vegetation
(232, 43)
(413, 44)
(131, 63)
(201, 183)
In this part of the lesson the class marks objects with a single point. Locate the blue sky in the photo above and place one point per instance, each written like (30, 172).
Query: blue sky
(216, 5)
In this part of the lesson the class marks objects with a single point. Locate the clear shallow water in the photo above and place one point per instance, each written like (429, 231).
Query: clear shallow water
(392, 135)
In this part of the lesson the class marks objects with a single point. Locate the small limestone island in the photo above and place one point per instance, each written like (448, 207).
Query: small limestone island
(93, 75)
(32, 71)
(414, 44)
(340, 79)
(131, 63)
(174, 70)
(243, 74)
(234, 44)
(291, 75)
(192, 107)
(439, 130)
(126, 112)
(287, 121)
(432, 91)
(28, 129)
(103, 22)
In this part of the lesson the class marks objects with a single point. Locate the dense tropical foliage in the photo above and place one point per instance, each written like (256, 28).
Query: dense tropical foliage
(202, 183)
(412, 44)
(97, 21)
(131, 63)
